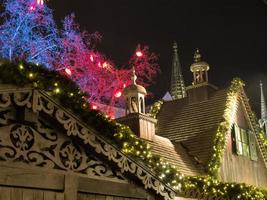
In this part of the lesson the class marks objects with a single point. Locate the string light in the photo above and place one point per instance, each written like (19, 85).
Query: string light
(105, 65)
(30, 75)
(118, 94)
(92, 58)
(68, 71)
(21, 66)
(40, 2)
(32, 8)
(140, 149)
(94, 107)
(57, 90)
(139, 53)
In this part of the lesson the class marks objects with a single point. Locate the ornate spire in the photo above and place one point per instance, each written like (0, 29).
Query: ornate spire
(263, 104)
(177, 80)
(197, 56)
(263, 120)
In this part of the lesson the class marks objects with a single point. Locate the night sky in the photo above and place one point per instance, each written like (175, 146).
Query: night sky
(231, 35)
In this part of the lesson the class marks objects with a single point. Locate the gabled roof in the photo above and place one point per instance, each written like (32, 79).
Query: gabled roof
(192, 125)
(40, 101)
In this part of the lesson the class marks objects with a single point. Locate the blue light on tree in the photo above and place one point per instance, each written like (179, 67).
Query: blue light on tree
(28, 32)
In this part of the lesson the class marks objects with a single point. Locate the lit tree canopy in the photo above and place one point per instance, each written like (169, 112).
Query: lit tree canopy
(28, 32)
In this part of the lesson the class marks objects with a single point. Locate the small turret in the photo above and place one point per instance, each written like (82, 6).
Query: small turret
(135, 97)
(200, 69)
(200, 89)
(140, 123)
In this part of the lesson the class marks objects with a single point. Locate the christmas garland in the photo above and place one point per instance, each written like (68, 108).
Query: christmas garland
(224, 127)
(263, 138)
(70, 96)
(155, 108)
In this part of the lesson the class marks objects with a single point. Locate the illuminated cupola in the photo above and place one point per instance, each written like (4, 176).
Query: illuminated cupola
(140, 123)
(135, 97)
(201, 89)
(200, 69)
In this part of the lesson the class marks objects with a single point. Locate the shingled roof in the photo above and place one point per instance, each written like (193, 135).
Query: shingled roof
(175, 154)
(192, 125)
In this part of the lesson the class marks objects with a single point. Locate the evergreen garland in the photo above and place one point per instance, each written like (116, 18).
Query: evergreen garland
(70, 96)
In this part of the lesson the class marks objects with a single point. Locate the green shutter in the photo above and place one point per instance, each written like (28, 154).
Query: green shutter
(252, 146)
(238, 143)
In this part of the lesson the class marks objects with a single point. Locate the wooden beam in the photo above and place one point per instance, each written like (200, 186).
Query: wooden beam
(30, 178)
(105, 187)
(71, 187)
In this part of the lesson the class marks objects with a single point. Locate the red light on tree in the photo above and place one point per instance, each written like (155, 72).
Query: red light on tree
(139, 53)
(94, 107)
(105, 64)
(40, 2)
(32, 8)
(68, 71)
(92, 58)
(118, 94)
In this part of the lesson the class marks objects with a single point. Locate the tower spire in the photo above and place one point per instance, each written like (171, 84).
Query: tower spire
(177, 80)
(263, 120)
(263, 104)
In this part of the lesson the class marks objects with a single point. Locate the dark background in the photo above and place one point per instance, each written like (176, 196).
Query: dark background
(231, 35)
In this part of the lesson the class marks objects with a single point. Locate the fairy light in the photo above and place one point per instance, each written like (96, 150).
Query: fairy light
(92, 58)
(139, 53)
(21, 66)
(118, 94)
(94, 107)
(40, 2)
(105, 65)
(168, 173)
(57, 90)
(32, 7)
(68, 71)
(30, 75)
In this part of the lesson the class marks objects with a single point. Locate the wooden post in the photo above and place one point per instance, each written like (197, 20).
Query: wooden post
(71, 187)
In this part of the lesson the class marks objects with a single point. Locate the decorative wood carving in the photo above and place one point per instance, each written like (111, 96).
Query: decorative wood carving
(41, 147)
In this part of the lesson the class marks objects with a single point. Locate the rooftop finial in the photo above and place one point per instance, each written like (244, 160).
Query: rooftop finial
(175, 47)
(197, 56)
(134, 77)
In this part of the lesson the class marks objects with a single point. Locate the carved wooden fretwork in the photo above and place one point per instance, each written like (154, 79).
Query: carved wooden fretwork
(40, 147)
(45, 148)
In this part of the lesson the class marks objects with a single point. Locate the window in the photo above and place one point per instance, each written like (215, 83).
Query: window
(245, 142)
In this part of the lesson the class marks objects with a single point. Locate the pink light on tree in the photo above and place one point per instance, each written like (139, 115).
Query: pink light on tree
(139, 53)
(118, 94)
(145, 64)
(29, 32)
(40, 2)
(68, 71)
(94, 107)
